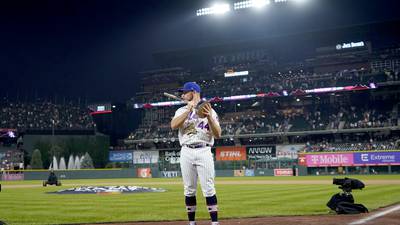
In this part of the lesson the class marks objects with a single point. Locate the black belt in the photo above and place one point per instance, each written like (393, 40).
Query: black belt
(201, 145)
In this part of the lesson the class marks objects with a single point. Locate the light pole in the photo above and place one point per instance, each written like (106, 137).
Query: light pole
(52, 142)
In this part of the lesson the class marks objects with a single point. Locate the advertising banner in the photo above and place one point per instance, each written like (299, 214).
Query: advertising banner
(261, 153)
(283, 172)
(170, 174)
(238, 173)
(12, 176)
(288, 151)
(171, 157)
(231, 153)
(350, 159)
(120, 156)
(249, 173)
(329, 159)
(144, 172)
(377, 158)
(302, 160)
(145, 157)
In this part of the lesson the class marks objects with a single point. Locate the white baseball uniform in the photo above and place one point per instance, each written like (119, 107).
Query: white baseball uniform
(196, 159)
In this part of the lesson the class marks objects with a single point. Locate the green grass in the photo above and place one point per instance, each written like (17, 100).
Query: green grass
(31, 205)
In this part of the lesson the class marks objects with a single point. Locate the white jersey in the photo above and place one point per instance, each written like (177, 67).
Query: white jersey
(195, 130)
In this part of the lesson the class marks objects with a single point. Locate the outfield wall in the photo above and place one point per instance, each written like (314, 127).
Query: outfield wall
(120, 173)
(148, 172)
(69, 174)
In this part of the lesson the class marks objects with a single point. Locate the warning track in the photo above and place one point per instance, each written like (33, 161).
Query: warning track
(222, 182)
(390, 218)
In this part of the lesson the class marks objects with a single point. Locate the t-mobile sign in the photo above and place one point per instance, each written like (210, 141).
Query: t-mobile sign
(377, 158)
(329, 159)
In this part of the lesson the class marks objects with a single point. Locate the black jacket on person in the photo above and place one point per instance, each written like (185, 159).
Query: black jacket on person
(52, 178)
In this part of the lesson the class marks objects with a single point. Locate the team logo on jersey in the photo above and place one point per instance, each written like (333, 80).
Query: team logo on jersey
(190, 129)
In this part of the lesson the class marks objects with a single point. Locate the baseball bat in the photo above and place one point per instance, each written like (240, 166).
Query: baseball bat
(172, 96)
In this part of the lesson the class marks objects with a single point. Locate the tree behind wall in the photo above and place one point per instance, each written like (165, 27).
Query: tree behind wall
(97, 146)
(44, 147)
(87, 162)
(56, 151)
(36, 161)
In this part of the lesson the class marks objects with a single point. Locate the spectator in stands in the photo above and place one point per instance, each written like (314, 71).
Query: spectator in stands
(44, 115)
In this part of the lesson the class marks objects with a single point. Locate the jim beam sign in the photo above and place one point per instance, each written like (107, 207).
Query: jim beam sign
(261, 153)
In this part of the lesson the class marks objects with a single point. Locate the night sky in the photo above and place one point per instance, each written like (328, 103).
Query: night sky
(95, 49)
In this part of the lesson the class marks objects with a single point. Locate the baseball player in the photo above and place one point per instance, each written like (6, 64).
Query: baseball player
(196, 136)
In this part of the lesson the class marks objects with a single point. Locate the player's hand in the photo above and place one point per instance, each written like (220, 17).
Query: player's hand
(195, 100)
(191, 105)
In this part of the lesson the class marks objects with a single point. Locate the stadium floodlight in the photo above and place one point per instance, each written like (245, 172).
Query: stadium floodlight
(221, 8)
(299, 1)
(277, 1)
(241, 5)
(215, 9)
(260, 3)
(203, 11)
(250, 4)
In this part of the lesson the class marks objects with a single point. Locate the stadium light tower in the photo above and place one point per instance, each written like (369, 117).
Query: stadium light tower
(250, 4)
(300, 1)
(221, 8)
(260, 3)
